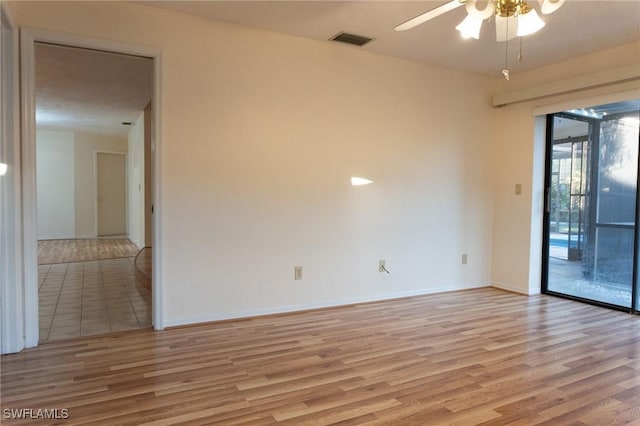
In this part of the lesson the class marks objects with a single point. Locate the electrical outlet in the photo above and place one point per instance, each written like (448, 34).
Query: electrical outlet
(518, 188)
(465, 258)
(382, 266)
(297, 273)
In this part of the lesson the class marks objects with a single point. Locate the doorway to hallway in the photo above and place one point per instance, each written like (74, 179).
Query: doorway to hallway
(93, 173)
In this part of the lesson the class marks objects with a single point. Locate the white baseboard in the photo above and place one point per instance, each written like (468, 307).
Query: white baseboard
(510, 287)
(175, 322)
(86, 236)
(56, 237)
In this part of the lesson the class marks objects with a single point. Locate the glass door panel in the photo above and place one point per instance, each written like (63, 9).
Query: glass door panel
(590, 235)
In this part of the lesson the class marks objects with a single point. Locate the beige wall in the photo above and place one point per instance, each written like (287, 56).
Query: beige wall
(86, 146)
(66, 181)
(55, 183)
(572, 69)
(260, 134)
(518, 153)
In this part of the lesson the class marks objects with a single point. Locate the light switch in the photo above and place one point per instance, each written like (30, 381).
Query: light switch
(518, 188)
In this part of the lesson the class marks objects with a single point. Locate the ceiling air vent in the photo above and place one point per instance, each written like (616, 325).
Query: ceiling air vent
(351, 39)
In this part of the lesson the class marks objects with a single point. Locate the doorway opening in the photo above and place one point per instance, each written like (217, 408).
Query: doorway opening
(111, 194)
(590, 248)
(94, 185)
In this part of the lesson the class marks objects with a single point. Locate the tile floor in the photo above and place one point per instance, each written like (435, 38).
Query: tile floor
(88, 298)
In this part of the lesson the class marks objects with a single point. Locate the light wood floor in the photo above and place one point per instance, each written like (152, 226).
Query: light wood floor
(473, 357)
(66, 251)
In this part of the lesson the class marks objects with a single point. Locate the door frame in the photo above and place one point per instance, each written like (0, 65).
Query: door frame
(11, 273)
(97, 152)
(549, 132)
(28, 37)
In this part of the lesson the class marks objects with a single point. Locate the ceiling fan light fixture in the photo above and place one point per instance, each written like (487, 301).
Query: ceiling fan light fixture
(507, 8)
(550, 6)
(529, 22)
(513, 18)
(429, 15)
(486, 13)
(506, 28)
(470, 27)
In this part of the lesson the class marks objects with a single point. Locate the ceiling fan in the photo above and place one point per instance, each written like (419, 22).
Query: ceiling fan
(513, 18)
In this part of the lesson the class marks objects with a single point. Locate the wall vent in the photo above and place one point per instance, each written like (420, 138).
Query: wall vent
(351, 39)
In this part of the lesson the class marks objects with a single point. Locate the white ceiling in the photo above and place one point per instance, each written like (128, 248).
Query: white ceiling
(579, 27)
(88, 90)
(96, 91)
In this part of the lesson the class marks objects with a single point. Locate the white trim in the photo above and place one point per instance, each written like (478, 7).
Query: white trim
(512, 288)
(74, 40)
(95, 189)
(157, 266)
(619, 96)
(11, 273)
(320, 305)
(584, 82)
(29, 189)
(9, 18)
(28, 37)
(537, 204)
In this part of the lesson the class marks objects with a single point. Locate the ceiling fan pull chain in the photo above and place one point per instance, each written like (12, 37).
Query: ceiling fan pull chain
(505, 71)
(520, 57)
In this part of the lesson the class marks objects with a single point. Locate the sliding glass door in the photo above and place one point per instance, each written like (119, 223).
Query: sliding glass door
(590, 249)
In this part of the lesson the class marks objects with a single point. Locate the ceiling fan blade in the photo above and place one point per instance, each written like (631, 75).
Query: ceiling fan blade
(433, 13)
